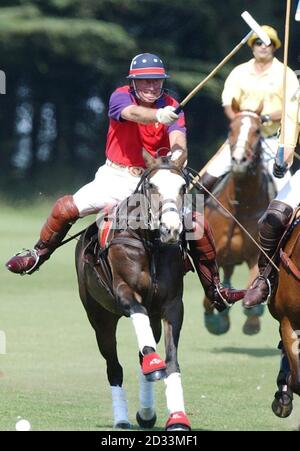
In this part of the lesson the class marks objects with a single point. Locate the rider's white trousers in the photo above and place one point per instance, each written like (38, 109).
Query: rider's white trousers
(222, 163)
(290, 193)
(110, 186)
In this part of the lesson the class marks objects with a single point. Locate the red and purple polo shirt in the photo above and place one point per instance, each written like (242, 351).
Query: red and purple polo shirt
(125, 139)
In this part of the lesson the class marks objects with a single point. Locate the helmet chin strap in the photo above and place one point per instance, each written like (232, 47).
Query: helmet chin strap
(137, 95)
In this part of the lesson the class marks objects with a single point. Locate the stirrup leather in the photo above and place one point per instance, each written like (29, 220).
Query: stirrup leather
(33, 253)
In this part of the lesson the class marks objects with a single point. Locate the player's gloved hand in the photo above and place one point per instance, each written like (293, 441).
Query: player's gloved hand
(166, 115)
(279, 169)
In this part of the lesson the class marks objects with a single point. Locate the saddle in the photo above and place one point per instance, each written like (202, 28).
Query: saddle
(99, 237)
(97, 240)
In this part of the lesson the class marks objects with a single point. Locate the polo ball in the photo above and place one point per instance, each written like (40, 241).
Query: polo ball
(23, 425)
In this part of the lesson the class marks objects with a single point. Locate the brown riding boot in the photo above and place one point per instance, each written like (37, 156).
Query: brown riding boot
(203, 253)
(272, 226)
(64, 213)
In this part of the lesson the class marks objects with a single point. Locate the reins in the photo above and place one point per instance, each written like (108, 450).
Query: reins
(193, 172)
(144, 178)
(234, 219)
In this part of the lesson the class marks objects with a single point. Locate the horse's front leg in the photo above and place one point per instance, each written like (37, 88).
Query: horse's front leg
(153, 367)
(282, 404)
(290, 336)
(173, 317)
(146, 415)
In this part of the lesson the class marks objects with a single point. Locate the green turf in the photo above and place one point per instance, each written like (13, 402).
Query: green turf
(53, 375)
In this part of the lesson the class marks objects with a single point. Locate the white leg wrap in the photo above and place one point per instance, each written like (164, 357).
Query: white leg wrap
(143, 331)
(119, 405)
(146, 398)
(290, 193)
(174, 393)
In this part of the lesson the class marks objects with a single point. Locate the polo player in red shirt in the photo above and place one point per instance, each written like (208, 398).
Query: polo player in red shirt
(141, 115)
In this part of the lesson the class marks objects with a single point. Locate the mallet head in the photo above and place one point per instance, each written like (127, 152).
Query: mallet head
(256, 28)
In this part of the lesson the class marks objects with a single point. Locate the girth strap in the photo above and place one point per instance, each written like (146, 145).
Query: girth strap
(127, 241)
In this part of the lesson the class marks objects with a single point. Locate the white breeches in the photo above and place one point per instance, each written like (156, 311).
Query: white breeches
(110, 186)
(289, 194)
(222, 163)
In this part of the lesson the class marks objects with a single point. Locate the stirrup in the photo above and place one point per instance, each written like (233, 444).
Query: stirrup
(33, 253)
(227, 304)
(269, 288)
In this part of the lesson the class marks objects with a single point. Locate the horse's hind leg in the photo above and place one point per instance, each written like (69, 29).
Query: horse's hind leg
(218, 323)
(146, 415)
(105, 324)
(290, 337)
(252, 323)
(228, 271)
(282, 404)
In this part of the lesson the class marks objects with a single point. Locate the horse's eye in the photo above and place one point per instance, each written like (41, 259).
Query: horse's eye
(257, 132)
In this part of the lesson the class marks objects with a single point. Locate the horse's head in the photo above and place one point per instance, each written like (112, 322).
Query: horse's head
(164, 186)
(244, 139)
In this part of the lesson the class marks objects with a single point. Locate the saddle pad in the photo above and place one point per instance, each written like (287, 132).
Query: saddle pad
(106, 226)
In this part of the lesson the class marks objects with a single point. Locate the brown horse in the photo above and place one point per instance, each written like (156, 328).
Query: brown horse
(284, 306)
(139, 274)
(244, 193)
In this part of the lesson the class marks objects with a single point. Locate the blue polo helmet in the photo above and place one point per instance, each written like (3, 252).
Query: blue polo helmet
(146, 65)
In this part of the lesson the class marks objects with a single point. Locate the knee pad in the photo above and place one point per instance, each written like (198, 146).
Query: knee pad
(65, 209)
(277, 215)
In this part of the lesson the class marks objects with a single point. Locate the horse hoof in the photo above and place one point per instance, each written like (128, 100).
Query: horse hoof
(217, 323)
(257, 310)
(146, 424)
(156, 375)
(153, 367)
(251, 326)
(122, 425)
(282, 409)
(178, 427)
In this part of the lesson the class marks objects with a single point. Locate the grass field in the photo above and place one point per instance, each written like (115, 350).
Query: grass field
(53, 375)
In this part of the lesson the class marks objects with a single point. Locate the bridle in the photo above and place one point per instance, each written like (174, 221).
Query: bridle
(251, 152)
(166, 205)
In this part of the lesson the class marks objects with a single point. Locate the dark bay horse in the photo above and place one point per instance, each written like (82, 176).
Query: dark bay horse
(144, 263)
(284, 306)
(244, 193)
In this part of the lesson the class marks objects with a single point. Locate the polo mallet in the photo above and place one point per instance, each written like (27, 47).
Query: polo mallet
(280, 152)
(255, 28)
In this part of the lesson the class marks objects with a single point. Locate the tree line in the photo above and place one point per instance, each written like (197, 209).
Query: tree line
(63, 58)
